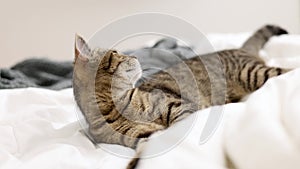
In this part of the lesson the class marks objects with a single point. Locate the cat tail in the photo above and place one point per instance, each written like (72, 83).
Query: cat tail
(261, 37)
(138, 155)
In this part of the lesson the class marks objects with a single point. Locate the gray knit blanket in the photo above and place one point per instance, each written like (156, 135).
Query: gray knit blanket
(44, 73)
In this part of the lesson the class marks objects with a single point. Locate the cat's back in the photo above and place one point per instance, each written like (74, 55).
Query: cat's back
(200, 75)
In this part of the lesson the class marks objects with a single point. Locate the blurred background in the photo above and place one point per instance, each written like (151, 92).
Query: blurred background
(37, 28)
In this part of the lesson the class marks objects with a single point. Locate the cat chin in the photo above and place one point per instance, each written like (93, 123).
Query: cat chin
(136, 77)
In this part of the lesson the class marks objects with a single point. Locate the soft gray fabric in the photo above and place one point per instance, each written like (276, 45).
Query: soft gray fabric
(42, 73)
(53, 75)
(163, 54)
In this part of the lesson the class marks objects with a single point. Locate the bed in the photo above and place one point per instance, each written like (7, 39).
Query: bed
(40, 129)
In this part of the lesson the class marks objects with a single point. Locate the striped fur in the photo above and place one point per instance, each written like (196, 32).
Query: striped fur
(261, 36)
(119, 113)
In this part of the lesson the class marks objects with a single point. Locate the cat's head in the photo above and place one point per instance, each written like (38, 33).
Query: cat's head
(104, 62)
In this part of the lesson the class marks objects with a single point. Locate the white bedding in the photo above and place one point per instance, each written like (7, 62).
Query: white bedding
(39, 128)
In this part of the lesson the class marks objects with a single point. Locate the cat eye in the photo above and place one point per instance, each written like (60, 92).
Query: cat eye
(128, 70)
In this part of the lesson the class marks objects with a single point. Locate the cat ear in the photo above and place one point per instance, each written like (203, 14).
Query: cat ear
(107, 59)
(82, 50)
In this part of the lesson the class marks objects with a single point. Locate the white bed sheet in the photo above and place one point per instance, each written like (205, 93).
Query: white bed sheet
(39, 128)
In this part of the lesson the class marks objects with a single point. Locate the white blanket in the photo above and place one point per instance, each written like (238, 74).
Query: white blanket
(39, 128)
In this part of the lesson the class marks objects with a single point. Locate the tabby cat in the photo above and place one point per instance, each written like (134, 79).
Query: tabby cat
(120, 113)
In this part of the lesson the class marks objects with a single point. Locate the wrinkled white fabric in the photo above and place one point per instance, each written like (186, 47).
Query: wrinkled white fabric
(39, 127)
